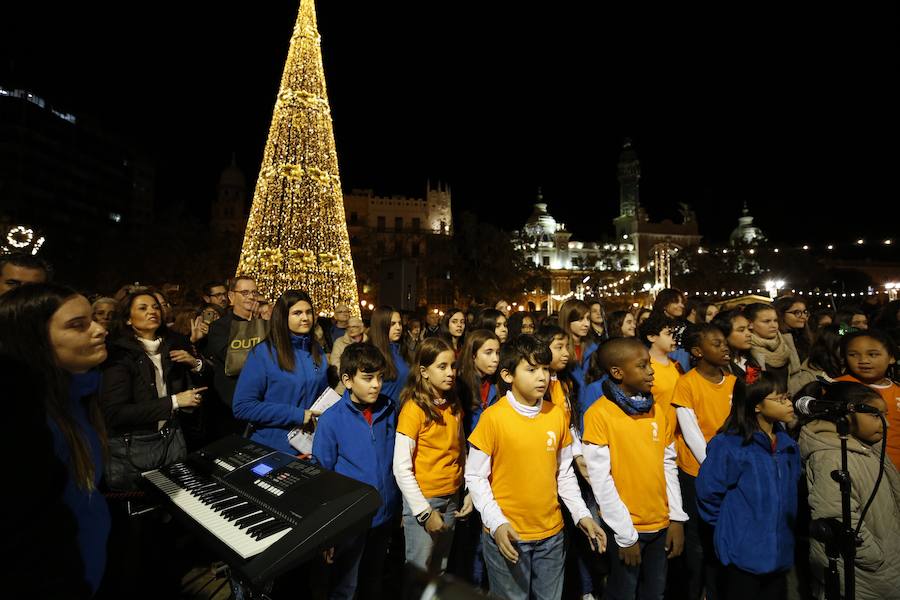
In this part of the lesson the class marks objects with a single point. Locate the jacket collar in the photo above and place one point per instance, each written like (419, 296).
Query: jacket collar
(301, 342)
(381, 406)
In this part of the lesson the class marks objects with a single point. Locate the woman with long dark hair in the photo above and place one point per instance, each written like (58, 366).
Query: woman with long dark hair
(492, 320)
(476, 382)
(283, 375)
(385, 333)
(824, 360)
(453, 329)
(150, 375)
(574, 320)
(520, 322)
(48, 327)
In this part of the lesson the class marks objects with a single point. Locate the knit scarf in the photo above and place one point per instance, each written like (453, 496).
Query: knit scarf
(773, 353)
(630, 405)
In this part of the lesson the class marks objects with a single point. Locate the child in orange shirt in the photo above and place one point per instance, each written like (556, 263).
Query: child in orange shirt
(870, 356)
(629, 446)
(428, 456)
(702, 401)
(519, 465)
(656, 333)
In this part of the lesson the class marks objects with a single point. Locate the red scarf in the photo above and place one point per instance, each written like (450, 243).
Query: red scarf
(485, 392)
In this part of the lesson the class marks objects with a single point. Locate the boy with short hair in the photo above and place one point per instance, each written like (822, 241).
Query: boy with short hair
(657, 333)
(519, 465)
(629, 446)
(355, 437)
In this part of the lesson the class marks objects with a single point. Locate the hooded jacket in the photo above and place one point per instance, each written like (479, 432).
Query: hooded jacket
(877, 564)
(749, 494)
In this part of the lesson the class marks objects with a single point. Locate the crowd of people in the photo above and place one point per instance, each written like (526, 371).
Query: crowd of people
(643, 453)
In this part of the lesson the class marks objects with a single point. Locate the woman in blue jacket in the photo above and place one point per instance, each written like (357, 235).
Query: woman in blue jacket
(747, 490)
(284, 375)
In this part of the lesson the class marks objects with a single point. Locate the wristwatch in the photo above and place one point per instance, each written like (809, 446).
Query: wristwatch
(423, 517)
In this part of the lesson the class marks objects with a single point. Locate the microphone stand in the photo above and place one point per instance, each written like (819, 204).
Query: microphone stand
(845, 540)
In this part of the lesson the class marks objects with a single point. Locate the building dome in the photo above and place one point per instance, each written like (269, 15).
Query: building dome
(746, 233)
(541, 223)
(233, 176)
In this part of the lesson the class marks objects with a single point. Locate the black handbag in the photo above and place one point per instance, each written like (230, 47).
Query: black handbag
(134, 453)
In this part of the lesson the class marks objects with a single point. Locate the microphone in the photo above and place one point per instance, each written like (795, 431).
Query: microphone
(813, 407)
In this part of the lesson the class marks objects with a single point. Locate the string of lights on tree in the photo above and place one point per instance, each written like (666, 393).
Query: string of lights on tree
(296, 236)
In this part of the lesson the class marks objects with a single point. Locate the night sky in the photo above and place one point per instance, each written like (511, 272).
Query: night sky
(794, 112)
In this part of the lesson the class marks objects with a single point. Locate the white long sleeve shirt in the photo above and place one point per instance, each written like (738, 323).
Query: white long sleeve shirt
(478, 472)
(612, 508)
(405, 475)
(690, 429)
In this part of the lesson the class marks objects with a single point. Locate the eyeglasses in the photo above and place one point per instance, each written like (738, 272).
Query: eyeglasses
(798, 313)
(218, 295)
(247, 293)
(780, 398)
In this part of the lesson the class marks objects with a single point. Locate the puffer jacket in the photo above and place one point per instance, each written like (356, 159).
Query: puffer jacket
(877, 564)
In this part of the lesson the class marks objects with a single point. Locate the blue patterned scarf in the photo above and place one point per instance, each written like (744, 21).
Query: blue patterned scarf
(630, 405)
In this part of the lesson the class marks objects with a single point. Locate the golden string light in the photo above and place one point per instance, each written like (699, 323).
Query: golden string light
(296, 236)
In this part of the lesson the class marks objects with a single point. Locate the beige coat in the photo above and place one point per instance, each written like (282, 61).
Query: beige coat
(878, 558)
(334, 359)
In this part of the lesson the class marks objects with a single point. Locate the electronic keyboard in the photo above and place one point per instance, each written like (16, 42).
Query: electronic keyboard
(262, 511)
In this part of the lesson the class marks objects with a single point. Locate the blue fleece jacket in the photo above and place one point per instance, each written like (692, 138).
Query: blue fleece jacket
(273, 400)
(345, 443)
(587, 395)
(580, 370)
(391, 388)
(88, 507)
(471, 419)
(749, 494)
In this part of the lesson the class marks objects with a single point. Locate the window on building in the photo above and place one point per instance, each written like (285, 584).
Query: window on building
(398, 247)
(381, 224)
(416, 223)
(379, 246)
(415, 249)
(546, 261)
(398, 223)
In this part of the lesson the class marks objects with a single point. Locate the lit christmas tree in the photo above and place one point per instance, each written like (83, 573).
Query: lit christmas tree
(296, 235)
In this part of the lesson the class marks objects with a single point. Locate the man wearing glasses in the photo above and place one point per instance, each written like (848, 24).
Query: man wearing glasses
(215, 293)
(244, 306)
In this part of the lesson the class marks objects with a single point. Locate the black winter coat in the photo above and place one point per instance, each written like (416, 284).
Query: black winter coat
(128, 395)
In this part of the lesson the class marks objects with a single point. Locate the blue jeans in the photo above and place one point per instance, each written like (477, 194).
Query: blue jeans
(347, 575)
(538, 573)
(427, 552)
(646, 581)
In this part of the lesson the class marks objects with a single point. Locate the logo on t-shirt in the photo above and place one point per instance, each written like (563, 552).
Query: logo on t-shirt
(655, 427)
(551, 441)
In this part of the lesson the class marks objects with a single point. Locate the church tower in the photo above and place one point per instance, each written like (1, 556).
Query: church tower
(440, 218)
(629, 181)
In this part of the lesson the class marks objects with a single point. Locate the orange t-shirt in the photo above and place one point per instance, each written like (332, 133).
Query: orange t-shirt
(558, 397)
(891, 395)
(437, 458)
(664, 379)
(711, 403)
(524, 465)
(637, 445)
